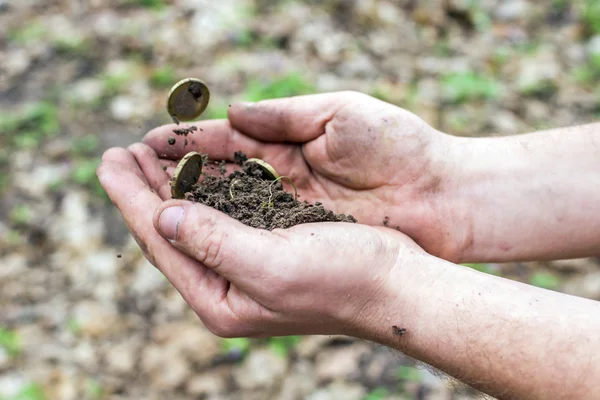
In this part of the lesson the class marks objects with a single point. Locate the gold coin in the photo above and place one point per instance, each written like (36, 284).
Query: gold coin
(266, 168)
(188, 99)
(186, 174)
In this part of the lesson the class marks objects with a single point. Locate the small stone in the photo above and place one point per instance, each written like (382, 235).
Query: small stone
(172, 140)
(5, 359)
(580, 265)
(342, 362)
(262, 368)
(587, 286)
(101, 263)
(206, 384)
(339, 390)
(95, 319)
(122, 108)
(13, 265)
(166, 369)
(512, 10)
(147, 279)
(121, 358)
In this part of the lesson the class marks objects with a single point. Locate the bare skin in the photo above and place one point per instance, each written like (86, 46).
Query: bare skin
(507, 339)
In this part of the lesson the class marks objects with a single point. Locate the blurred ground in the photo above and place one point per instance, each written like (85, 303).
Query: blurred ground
(76, 77)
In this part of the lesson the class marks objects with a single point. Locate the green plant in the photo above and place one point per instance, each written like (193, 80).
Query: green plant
(84, 174)
(31, 391)
(410, 374)
(282, 345)
(468, 86)
(93, 389)
(235, 345)
(378, 393)
(289, 85)
(29, 33)
(152, 4)
(10, 341)
(37, 120)
(73, 326)
(486, 268)
(85, 145)
(71, 46)
(21, 214)
(544, 280)
(590, 15)
(163, 77)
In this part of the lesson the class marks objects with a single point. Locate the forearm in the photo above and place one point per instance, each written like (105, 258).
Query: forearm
(505, 338)
(528, 197)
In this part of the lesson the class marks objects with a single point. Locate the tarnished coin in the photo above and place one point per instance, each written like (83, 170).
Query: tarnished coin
(268, 171)
(188, 99)
(186, 174)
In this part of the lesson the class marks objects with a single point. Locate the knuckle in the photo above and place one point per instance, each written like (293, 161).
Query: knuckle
(206, 241)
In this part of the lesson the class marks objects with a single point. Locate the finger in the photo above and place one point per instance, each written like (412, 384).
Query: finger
(221, 243)
(135, 201)
(215, 138)
(292, 119)
(148, 161)
(124, 157)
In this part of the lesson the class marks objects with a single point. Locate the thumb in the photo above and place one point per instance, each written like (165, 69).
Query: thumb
(218, 241)
(292, 119)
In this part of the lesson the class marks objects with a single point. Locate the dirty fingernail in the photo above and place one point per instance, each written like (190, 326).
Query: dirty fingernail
(168, 221)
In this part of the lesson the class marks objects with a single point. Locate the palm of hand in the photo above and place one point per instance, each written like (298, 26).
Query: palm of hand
(355, 154)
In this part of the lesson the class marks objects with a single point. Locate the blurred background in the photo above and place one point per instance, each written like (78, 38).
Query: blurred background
(84, 316)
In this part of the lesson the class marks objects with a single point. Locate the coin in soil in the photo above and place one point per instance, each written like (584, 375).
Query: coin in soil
(187, 99)
(186, 174)
(268, 171)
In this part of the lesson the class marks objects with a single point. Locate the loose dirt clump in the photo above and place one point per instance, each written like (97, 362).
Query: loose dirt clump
(257, 201)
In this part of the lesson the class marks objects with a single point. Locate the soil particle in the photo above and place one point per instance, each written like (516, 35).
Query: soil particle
(195, 90)
(239, 158)
(171, 141)
(185, 131)
(398, 331)
(257, 202)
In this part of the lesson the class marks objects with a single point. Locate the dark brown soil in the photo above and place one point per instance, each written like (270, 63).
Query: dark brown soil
(256, 201)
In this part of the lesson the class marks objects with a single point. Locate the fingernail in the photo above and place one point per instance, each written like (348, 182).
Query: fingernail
(168, 222)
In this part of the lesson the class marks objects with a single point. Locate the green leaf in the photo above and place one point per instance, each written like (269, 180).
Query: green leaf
(163, 77)
(377, 394)
(10, 341)
(241, 345)
(487, 268)
(31, 392)
(544, 280)
(21, 214)
(286, 86)
(468, 86)
(407, 373)
(282, 345)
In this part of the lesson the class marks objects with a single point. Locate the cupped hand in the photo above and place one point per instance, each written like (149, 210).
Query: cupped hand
(355, 154)
(325, 278)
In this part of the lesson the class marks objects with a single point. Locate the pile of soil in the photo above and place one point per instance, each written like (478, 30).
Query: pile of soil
(256, 199)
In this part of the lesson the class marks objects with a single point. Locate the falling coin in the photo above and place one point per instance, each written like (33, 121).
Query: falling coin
(268, 171)
(187, 99)
(186, 174)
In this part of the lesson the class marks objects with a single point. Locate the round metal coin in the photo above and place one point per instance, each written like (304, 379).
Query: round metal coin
(186, 174)
(187, 99)
(268, 171)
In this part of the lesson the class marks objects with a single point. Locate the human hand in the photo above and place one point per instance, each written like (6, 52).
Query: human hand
(326, 278)
(355, 154)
